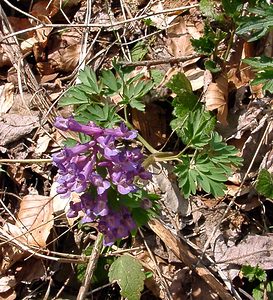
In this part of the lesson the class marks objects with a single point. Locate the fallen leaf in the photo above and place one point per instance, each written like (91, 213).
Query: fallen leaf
(4, 59)
(6, 97)
(35, 219)
(179, 39)
(14, 127)
(153, 129)
(42, 144)
(171, 195)
(253, 250)
(216, 97)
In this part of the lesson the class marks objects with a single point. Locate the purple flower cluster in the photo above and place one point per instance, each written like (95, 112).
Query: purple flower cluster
(104, 163)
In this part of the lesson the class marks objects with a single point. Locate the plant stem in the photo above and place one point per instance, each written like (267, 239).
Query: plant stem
(230, 42)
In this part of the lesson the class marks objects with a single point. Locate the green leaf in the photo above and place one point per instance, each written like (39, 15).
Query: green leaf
(88, 77)
(254, 273)
(109, 79)
(208, 169)
(212, 66)
(100, 275)
(207, 8)
(264, 184)
(157, 76)
(264, 77)
(232, 7)
(260, 62)
(139, 51)
(179, 84)
(128, 274)
(209, 42)
(264, 66)
(195, 132)
(135, 103)
(258, 23)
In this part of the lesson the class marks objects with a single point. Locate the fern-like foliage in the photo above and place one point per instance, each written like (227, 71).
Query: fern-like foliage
(209, 162)
(257, 23)
(92, 96)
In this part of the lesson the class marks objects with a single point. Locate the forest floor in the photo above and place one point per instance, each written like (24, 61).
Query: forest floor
(201, 245)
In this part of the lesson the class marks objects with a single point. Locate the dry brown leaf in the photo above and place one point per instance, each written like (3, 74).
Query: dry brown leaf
(195, 76)
(65, 51)
(216, 97)
(45, 8)
(30, 269)
(253, 250)
(6, 97)
(171, 196)
(160, 21)
(13, 127)
(19, 24)
(178, 41)
(28, 44)
(152, 129)
(9, 254)
(70, 58)
(35, 219)
(42, 144)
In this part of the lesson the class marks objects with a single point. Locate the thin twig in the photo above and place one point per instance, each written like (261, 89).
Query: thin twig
(154, 62)
(91, 267)
(26, 161)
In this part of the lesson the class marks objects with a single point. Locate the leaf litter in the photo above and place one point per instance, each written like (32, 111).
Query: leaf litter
(35, 232)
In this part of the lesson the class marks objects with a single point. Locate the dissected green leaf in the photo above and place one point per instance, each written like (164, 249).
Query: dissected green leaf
(264, 67)
(207, 169)
(257, 23)
(104, 116)
(207, 8)
(139, 51)
(264, 183)
(232, 7)
(260, 62)
(157, 75)
(253, 273)
(208, 43)
(88, 77)
(195, 131)
(128, 274)
(109, 79)
(264, 77)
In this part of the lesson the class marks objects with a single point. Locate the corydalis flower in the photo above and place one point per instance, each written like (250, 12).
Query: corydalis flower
(103, 163)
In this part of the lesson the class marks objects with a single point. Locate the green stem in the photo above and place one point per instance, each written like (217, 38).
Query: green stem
(139, 137)
(230, 43)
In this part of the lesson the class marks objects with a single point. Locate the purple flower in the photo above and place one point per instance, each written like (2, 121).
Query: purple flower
(74, 209)
(104, 166)
(101, 184)
(116, 225)
(122, 132)
(71, 124)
